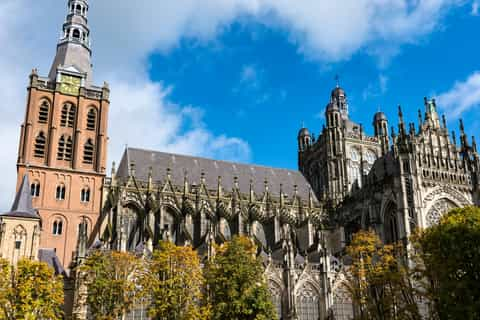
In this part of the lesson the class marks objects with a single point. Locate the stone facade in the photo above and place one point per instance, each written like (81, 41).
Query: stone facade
(300, 220)
(20, 228)
(63, 139)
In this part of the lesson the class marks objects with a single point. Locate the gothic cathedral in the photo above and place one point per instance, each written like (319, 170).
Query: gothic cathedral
(392, 181)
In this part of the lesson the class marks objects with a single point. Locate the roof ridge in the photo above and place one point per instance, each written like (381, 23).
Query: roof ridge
(211, 159)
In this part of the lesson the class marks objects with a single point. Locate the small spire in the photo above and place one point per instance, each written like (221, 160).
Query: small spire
(114, 169)
(420, 117)
(454, 138)
(282, 199)
(150, 178)
(252, 195)
(462, 128)
(444, 121)
(265, 184)
(235, 182)
(310, 197)
(132, 169)
(400, 113)
(185, 182)
(412, 129)
(23, 200)
(393, 133)
(474, 144)
(202, 177)
(219, 186)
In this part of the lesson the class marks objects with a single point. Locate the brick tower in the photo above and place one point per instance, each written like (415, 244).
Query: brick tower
(63, 140)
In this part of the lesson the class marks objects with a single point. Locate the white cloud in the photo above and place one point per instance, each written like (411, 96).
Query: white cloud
(475, 7)
(462, 97)
(377, 88)
(125, 33)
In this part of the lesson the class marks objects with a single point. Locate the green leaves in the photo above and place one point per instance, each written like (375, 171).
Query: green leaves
(174, 283)
(378, 280)
(30, 291)
(450, 252)
(235, 282)
(113, 283)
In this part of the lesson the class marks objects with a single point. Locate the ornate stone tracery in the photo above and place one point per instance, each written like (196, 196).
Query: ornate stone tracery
(438, 209)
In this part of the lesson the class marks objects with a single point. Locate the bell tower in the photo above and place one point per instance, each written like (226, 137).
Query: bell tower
(63, 139)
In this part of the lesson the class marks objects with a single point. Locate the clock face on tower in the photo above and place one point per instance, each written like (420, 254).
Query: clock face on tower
(70, 85)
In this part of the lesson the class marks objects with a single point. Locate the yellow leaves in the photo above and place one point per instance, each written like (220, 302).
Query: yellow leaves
(174, 283)
(30, 291)
(377, 279)
(112, 282)
(447, 259)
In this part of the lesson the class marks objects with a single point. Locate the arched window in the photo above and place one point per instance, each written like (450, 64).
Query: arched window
(71, 116)
(68, 149)
(67, 117)
(88, 152)
(76, 34)
(61, 148)
(65, 148)
(60, 192)
(276, 295)
(43, 112)
(64, 115)
(85, 195)
(308, 303)
(35, 189)
(390, 224)
(39, 150)
(57, 227)
(91, 119)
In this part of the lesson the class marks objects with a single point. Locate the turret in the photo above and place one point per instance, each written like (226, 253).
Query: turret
(380, 125)
(431, 113)
(304, 139)
(73, 48)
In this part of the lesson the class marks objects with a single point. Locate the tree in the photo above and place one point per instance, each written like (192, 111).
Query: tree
(379, 280)
(451, 259)
(235, 282)
(30, 291)
(174, 283)
(113, 283)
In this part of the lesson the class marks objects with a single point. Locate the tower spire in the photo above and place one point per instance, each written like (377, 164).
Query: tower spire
(73, 48)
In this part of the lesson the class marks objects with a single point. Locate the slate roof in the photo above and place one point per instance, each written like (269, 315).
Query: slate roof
(194, 166)
(49, 256)
(22, 205)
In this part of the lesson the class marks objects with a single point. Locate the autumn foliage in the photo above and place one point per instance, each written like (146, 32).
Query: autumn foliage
(450, 264)
(174, 284)
(113, 283)
(236, 285)
(30, 291)
(379, 280)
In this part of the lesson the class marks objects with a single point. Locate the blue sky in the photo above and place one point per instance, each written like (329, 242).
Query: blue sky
(235, 79)
(254, 83)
